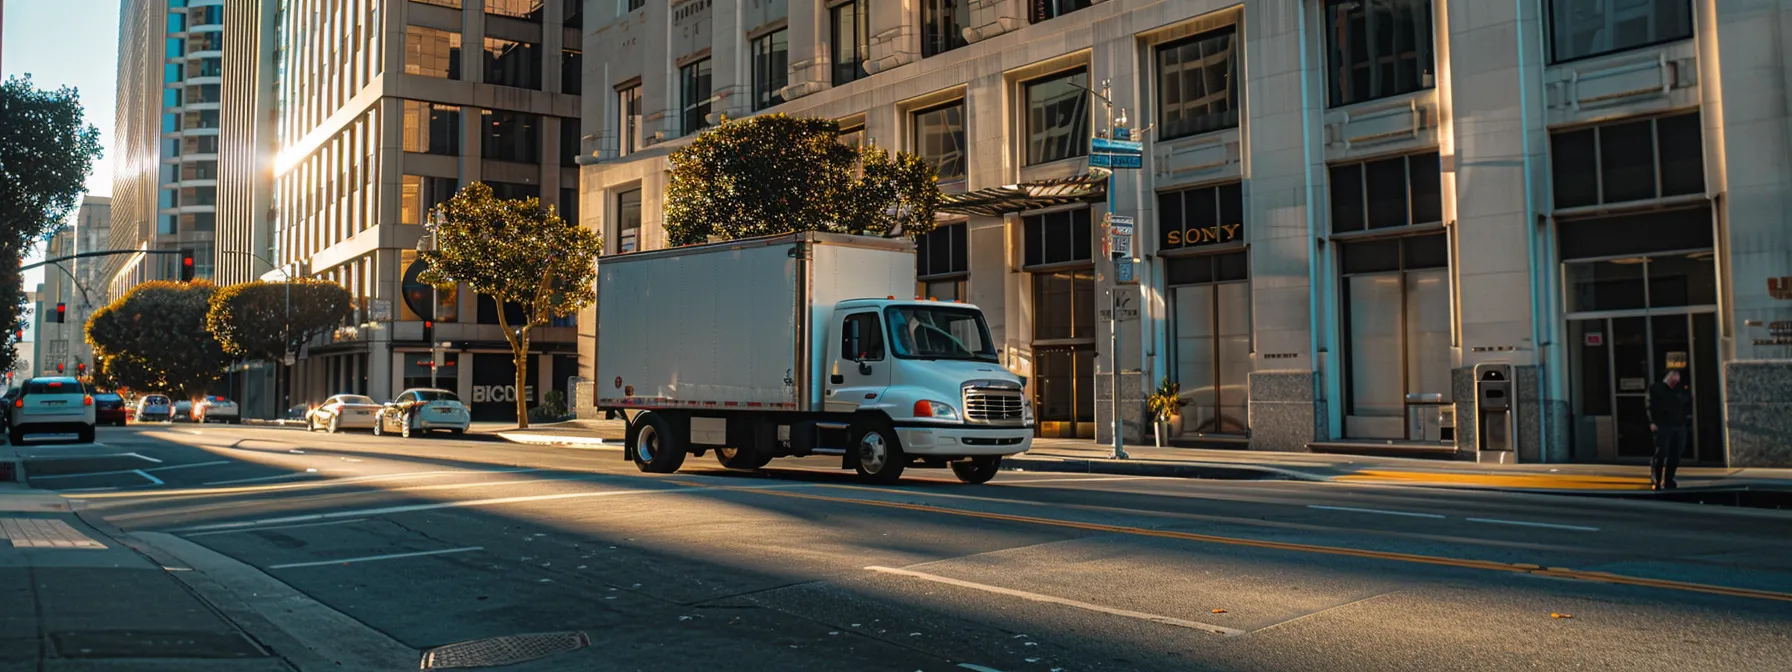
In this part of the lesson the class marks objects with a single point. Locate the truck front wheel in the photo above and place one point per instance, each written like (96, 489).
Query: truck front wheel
(977, 470)
(655, 448)
(880, 459)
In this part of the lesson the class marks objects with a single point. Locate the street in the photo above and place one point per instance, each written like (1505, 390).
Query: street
(349, 547)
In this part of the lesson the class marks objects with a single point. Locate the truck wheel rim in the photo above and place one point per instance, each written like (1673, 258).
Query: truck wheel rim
(646, 444)
(873, 452)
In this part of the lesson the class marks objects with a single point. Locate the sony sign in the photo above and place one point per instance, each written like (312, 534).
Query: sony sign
(483, 394)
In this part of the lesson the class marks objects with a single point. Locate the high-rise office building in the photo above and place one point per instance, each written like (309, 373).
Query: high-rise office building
(384, 110)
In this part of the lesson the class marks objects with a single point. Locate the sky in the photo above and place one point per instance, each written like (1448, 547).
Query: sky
(68, 43)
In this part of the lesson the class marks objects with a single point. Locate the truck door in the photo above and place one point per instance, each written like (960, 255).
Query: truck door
(860, 368)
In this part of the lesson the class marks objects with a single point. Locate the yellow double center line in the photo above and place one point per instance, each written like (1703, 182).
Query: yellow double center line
(1517, 568)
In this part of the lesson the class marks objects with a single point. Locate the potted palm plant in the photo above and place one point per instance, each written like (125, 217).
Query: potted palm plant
(1165, 406)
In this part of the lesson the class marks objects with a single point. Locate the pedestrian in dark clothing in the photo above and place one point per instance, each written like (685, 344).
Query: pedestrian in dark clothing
(1670, 412)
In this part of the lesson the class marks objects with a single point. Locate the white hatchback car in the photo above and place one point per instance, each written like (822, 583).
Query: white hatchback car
(421, 411)
(343, 411)
(214, 408)
(155, 408)
(53, 405)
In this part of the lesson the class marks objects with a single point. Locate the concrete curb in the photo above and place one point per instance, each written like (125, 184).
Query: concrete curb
(1230, 472)
(532, 439)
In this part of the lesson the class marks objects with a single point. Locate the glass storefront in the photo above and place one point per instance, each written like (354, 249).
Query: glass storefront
(1210, 310)
(1059, 261)
(1396, 312)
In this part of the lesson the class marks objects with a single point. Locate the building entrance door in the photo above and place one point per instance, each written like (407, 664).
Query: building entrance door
(1064, 394)
(1617, 358)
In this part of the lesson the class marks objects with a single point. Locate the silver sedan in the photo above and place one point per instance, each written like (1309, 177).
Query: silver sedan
(343, 411)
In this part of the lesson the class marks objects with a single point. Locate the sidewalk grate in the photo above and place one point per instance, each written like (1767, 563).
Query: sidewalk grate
(508, 650)
(44, 533)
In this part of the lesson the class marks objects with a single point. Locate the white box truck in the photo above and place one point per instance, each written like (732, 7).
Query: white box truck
(797, 345)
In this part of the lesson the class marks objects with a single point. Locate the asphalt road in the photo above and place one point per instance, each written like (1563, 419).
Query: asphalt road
(427, 542)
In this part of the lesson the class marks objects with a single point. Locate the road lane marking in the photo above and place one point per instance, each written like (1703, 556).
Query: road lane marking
(1050, 599)
(371, 558)
(319, 484)
(1104, 479)
(152, 479)
(191, 465)
(262, 479)
(1491, 565)
(277, 527)
(977, 668)
(1553, 526)
(471, 503)
(1353, 509)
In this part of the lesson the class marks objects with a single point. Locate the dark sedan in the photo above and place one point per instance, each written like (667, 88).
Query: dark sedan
(108, 409)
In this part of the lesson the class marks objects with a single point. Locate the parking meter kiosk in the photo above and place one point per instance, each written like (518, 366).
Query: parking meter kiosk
(1496, 435)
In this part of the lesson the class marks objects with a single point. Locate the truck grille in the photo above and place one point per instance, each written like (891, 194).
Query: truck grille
(993, 406)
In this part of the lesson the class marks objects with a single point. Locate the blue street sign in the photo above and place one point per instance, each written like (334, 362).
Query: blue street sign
(1116, 161)
(1101, 160)
(1124, 272)
(1122, 133)
(1106, 146)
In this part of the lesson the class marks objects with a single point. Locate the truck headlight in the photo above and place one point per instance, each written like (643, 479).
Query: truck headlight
(937, 410)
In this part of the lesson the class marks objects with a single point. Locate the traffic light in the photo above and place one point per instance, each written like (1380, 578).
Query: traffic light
(186, 265)
(81, 369)
(429, 331)
(61, 313)
(59, 367)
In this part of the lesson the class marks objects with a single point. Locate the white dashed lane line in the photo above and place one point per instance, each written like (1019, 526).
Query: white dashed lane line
(1524, 523)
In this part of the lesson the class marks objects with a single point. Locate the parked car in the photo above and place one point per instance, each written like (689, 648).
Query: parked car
(53, 405)
(109, 408)
(343, 411)
(155, 408)
(421, 411)
(183, 411)
(6, 400)
(215, 408)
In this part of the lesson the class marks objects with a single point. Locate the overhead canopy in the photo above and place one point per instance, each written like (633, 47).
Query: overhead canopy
(998, 201)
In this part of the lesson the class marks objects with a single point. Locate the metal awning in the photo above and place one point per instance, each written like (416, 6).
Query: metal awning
(998, 201)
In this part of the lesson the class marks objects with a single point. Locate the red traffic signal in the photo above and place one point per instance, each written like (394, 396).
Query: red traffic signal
(61, 312)
(81, 369)
(59, 367)
(186, 265)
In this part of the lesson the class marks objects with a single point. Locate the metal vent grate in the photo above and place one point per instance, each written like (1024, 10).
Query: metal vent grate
(993, 406)
(496, 651)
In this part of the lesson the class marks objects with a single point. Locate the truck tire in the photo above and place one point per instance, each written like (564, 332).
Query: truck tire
(977, 471)
(741, 458)
(876, 453)
(655, 448)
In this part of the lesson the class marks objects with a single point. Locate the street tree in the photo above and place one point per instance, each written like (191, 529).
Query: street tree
(154, 338)
(255, 321)
(775, 173)
(518, 254)
(47, 150)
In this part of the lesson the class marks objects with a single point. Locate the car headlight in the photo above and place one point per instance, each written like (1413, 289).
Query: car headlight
(937, 410)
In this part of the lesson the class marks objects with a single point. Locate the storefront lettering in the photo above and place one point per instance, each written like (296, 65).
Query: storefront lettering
(484, 394)
(1206, 235)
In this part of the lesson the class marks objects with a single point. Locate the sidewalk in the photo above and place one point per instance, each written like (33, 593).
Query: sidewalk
(73, 597)
(1078, 456)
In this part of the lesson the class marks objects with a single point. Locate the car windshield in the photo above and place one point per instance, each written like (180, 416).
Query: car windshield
(53, 387)
(355, 399)
(436, 395)
(928, 332)
(155, 399)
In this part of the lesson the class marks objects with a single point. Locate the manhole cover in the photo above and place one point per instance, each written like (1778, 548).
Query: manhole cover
(495, 651)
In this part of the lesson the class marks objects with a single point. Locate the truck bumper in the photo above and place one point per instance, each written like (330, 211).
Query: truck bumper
(959, 441)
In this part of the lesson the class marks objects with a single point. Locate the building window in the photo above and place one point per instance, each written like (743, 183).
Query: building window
(451, 4)
(512, 191)
(1197, 84)
(171, 122)
(628, 104)
(168, 225)
(431, 53)
(431, 128)
(1397, 191)
(201, 119)
(1632, 160)
(198, 221)
(210, 67)
(942, 262)
(850, 35)
(1200, 217)
(527, 10)
(1057, 117)
(1045, 10)
(199, 196)
(771, 68)
(421, 195)
(573, 15)
(569, 141)
(694, 84)
(1585, 28)
(628, 221)
(939, 140)
(1058, 237)
(852, 136)
(1210, 314)
(512, 136)
(1377, 49)
(636, 4)
(569, 204)
(942, 25)
(205, 93)
(1397, 317)
(510, 63)
(572, 72)
(172, 73)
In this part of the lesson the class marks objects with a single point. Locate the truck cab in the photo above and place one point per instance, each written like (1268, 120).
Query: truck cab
(930, 370)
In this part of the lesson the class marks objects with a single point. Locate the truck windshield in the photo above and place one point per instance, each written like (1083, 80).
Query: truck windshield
(927, 332)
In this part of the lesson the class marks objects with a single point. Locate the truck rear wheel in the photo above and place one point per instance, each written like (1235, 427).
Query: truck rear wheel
(978, 470)
(655, 448)
(880, 459)
(741, 458)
